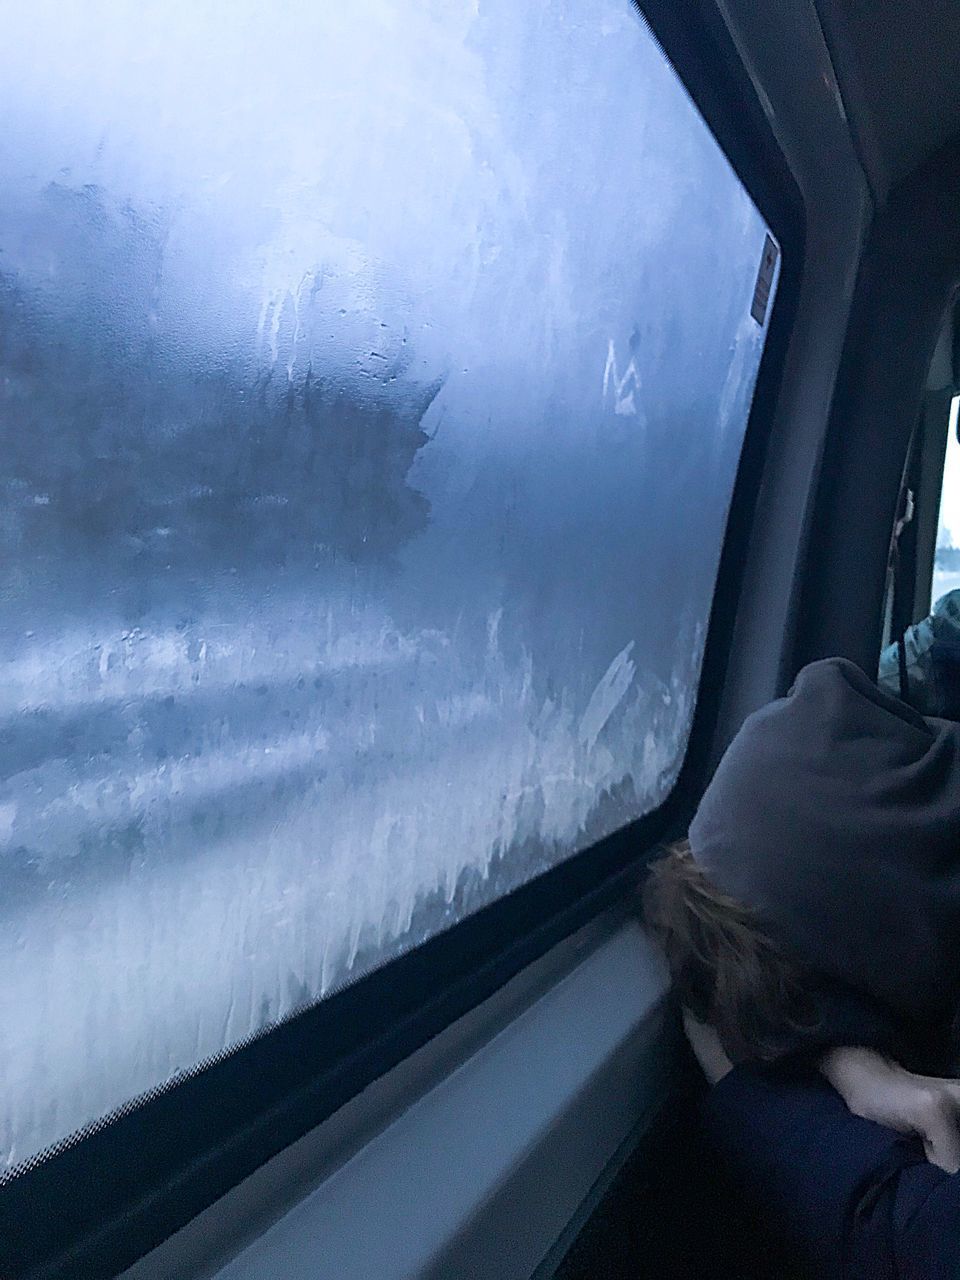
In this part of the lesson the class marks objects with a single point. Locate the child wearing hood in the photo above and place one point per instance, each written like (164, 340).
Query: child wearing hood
(812, 926)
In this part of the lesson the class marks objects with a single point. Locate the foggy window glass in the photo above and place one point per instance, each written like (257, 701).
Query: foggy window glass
(373, 378)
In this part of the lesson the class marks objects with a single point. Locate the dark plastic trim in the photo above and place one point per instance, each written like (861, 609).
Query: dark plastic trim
(94, 1206)
(908, 273)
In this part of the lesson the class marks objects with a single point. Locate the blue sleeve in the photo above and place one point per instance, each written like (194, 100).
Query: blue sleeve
(859, 1202)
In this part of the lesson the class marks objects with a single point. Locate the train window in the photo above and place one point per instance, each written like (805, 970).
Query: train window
(373, 384)
(946, 564)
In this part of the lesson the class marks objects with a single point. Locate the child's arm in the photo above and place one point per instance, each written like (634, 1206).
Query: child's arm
(857, 1201)
(877, 1089)
(873, 1087)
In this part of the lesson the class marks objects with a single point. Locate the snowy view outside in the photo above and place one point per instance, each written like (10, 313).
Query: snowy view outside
(373, 378)
(946, 565)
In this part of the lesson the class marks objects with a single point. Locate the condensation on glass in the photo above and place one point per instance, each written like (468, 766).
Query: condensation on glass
(373, 380)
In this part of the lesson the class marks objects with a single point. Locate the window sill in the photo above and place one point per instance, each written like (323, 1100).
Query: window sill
(472, 1157)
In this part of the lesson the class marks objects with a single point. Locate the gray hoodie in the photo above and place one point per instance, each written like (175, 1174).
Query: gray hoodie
(835, 814)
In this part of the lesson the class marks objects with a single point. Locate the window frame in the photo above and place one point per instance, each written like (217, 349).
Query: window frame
(95, 1203)
(924, 598)
(906, 278)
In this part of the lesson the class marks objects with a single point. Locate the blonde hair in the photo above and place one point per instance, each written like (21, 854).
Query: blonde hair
(726, 969)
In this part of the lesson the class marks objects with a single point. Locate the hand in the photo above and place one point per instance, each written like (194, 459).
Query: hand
(705, 1043)
(877, 1089)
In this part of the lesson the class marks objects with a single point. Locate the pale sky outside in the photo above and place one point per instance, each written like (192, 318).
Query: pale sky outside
(949, 533)
(945, 576)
